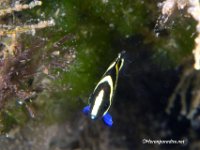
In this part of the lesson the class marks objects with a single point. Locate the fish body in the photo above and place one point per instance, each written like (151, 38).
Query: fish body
(102, 97)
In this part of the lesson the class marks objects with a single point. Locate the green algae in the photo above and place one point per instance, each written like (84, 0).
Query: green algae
(95, 27)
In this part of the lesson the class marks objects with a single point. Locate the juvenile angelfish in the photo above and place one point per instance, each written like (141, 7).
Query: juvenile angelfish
(101, 98)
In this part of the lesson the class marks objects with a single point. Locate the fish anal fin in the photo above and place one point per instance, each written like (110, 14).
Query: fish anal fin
(86, 110)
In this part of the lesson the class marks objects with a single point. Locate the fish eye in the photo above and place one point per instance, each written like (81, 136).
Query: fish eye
(119, 56)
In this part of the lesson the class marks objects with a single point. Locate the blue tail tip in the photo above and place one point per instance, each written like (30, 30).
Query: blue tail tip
(107, 119)
(86, 110)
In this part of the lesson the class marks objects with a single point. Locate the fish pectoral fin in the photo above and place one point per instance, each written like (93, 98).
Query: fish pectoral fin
(86, 110)
(107, 119)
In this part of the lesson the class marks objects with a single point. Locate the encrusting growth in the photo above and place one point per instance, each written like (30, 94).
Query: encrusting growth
(193, 8)
(13, 58)
(19, 7)
(26, 28)
(185, 100)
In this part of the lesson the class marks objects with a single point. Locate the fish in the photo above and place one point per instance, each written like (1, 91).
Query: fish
(101, 98)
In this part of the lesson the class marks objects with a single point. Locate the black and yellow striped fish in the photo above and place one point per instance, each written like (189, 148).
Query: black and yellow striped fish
(101, 98)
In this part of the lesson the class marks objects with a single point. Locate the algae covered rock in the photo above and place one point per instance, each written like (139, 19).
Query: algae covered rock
(52, 56)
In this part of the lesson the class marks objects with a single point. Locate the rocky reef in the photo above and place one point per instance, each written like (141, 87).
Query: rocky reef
(53, 53)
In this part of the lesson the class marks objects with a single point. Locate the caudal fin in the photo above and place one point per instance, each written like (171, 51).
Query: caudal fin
(107, 119)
